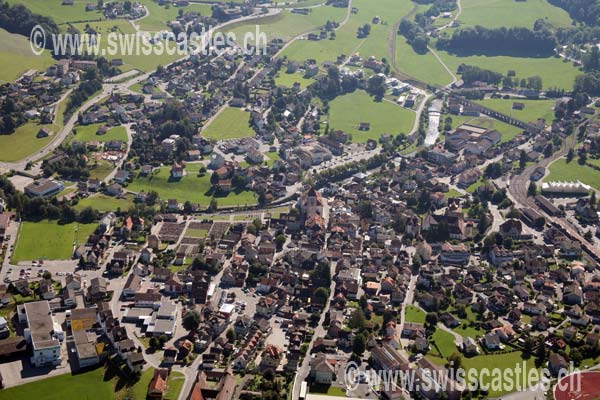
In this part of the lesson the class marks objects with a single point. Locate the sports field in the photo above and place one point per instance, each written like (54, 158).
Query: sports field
(348, 111)
(48, 240)
(579, 386)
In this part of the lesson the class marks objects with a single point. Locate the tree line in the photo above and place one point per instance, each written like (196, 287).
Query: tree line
(19, 19)
(587, 11)
(415, 36)
(504, 41)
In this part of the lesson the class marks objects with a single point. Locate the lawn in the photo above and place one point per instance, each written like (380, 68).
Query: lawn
(503, 362)
(174, 385)
(17, 57)
(88, 385)
(190, 188)
(560, 170)
(287, 80)
(415, 314)
(24, 141)
(534, 109)
(499, 13)
(468, 330)
(99, 169)
(196, 233)
(103, 203)
(87, 133)
(452, 193)
(231, 123)
(554, 71)
(348, 111)
(444, 342)
(95, 384)
(50, 241)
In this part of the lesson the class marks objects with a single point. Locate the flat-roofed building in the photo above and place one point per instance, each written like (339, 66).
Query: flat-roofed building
(41, 333)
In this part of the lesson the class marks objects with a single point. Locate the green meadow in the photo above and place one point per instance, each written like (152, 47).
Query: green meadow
(348, 111)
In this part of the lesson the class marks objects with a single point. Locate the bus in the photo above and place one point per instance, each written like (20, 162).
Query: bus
(303, 390)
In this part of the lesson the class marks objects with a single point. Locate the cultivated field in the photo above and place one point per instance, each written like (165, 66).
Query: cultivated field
(348, 111)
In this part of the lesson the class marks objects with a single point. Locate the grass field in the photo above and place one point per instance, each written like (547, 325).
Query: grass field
(58, 12)
(415, 314)
(503, 362)
(140, 61)
(286, 25)
(560, 170)
(160, 15)
(348, 111)
(553, 71)
(231, 123)
(17, 57)
(499, 13)
(288, 80)
(346, 41)
(49, 240)
(468, 330)
(508, 131)
(534, 109)
(196, 233)
(99, 169)
(24, 142)
(96, 384)
(103, 203)
(423, 67)
(190, 188)
(87, 133)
